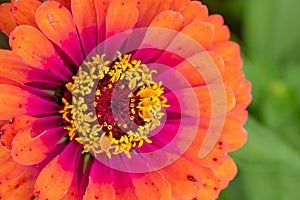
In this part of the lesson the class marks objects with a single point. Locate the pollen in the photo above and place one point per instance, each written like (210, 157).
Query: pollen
(104, 124)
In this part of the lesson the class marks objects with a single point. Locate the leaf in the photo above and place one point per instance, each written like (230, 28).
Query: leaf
(271, 29)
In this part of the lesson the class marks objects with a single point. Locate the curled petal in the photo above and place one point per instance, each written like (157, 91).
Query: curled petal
(10, 130)
(29, 151)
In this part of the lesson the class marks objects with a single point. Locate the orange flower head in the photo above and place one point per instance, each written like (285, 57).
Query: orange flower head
(118, 99)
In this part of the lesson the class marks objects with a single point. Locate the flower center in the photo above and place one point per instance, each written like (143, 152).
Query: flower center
(114, 105)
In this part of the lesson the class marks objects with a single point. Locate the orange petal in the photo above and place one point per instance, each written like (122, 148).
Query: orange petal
(202, 68)
(168, 19)
(29, 151)
(99, 180)
(192, 153)
(36, 50)
(201, 32)
(214, 100)
(194, 11)
(56, 178)
(21, 187)
(146, 15)
(165, 5)
(56, 22)
(9, 168)
(12, 66)
(9, 81)
(72, 193)
(84, 14)
(101, 10)
(2, 123)
(7, 24)
(222, 32)
(210, 186)
(230, 51)
(234, 133)
(180, 4)
(216, 156)
(10, 130)
(226, 172)
(149, 9)
(183, 179)
(65, 3)
(12, 105)
(122, 183)
(151, 186)
(23, 11)
(16, 102)
(243, 94)
(233, 76)
(121, 16)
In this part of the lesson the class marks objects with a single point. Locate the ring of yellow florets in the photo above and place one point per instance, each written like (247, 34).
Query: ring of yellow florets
(101, 132)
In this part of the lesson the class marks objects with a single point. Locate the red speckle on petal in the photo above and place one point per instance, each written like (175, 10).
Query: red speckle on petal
(15, 8)
(60, 6)
(215, 159)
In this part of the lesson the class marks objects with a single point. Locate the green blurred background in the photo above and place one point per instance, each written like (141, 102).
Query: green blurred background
(269, 34)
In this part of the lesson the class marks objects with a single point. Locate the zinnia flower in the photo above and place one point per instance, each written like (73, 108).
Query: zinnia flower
(121, 99)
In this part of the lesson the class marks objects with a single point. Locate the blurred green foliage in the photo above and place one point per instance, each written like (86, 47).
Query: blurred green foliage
(269, 34)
